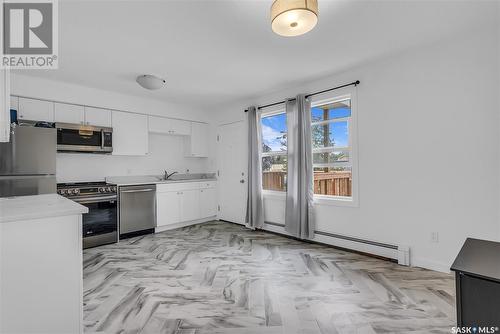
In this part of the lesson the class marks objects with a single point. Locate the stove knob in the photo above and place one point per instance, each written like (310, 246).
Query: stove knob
(76, 191)
(108, 189)
(101, 190)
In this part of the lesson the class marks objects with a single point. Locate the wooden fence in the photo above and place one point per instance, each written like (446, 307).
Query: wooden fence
(325, 183)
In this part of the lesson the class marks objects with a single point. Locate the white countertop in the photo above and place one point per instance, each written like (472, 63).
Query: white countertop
(37, 206)
(148, 179)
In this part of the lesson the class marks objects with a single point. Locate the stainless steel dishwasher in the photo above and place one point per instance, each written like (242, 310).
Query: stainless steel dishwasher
(137, 213)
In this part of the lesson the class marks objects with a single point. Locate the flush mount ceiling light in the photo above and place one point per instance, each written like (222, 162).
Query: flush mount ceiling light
(293, 17)
(150, 81)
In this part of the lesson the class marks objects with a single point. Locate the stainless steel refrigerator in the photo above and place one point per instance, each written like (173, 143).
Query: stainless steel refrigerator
(28, 161)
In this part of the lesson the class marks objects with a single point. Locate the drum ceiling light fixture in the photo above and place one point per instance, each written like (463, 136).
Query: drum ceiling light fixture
(293, 17)
(150, 82)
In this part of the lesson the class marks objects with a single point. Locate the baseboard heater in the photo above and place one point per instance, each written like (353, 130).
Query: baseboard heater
(396, 252)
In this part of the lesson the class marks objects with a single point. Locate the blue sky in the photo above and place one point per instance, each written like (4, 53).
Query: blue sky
(274, 126)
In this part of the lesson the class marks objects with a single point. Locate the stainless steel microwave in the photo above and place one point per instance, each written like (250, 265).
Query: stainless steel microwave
(84, 138)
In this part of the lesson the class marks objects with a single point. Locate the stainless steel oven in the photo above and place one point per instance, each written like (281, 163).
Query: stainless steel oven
(84, 138)
(100, 224)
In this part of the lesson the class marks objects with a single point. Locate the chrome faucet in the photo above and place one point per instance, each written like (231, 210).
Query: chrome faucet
(166, 175)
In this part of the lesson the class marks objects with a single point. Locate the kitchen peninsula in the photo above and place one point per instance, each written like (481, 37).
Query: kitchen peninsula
(41, 264)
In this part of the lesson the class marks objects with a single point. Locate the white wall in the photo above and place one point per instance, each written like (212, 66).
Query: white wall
(166, 152)
(429, 150)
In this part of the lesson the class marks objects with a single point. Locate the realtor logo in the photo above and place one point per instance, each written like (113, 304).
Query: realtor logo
(29, 34)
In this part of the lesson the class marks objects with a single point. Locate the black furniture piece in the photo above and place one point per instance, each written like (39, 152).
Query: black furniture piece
(477, 273)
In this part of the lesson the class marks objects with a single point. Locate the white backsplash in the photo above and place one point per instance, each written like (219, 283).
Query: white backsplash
(166, 152)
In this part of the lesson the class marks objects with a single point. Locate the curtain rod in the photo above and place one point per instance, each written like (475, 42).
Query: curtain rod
(355, 83)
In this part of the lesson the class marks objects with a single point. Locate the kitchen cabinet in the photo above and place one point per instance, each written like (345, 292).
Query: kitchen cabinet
(208, 202)
(69, 113)
(196, 145)
(169, 126)
(168, 208)
(14, 102)
(41, 265)
(97, 117)
(35, 110)
(184, 202)
(130, 133)
(190, 205)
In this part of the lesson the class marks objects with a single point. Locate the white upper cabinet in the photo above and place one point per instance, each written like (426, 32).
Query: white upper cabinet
(14, 102)
(181, 128)
(97, 117)
(159, 124)
(196, 145)
(69, 113)
(169, 126)
(130, 133)
(35, 110)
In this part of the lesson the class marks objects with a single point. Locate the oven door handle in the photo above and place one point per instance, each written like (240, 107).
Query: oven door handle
(95, 199)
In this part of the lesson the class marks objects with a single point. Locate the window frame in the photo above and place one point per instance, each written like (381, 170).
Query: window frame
(262, 113)
(347, 92)
(330, 97)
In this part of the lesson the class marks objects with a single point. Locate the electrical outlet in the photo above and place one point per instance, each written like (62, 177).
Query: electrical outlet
(435, 237)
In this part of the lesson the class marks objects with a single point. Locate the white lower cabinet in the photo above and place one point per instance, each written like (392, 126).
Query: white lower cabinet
(184, 202)
(168, 208)
(208, 202)
(190, 205)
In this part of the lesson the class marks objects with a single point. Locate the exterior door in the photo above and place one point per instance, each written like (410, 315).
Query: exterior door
(232, 159)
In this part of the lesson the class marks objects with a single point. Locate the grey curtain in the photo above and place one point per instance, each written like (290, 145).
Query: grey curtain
(255, 206)
(299, 194)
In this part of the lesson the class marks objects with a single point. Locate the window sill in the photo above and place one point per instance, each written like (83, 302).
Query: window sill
(274, 194)
(335, 201)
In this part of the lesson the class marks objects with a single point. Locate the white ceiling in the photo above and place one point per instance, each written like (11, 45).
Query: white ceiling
(216, 52)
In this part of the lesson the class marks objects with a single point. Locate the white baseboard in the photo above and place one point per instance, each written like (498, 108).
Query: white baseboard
(430, 264)
(402, 254)
(184, 224)
(348, 244)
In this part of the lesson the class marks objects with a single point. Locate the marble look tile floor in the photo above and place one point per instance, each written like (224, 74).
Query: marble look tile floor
(222, 278)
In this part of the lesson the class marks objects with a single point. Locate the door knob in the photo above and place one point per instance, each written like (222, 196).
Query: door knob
(242, 181)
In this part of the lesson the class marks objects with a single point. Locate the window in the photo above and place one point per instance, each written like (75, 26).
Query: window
(274, 151)
(331, 132)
